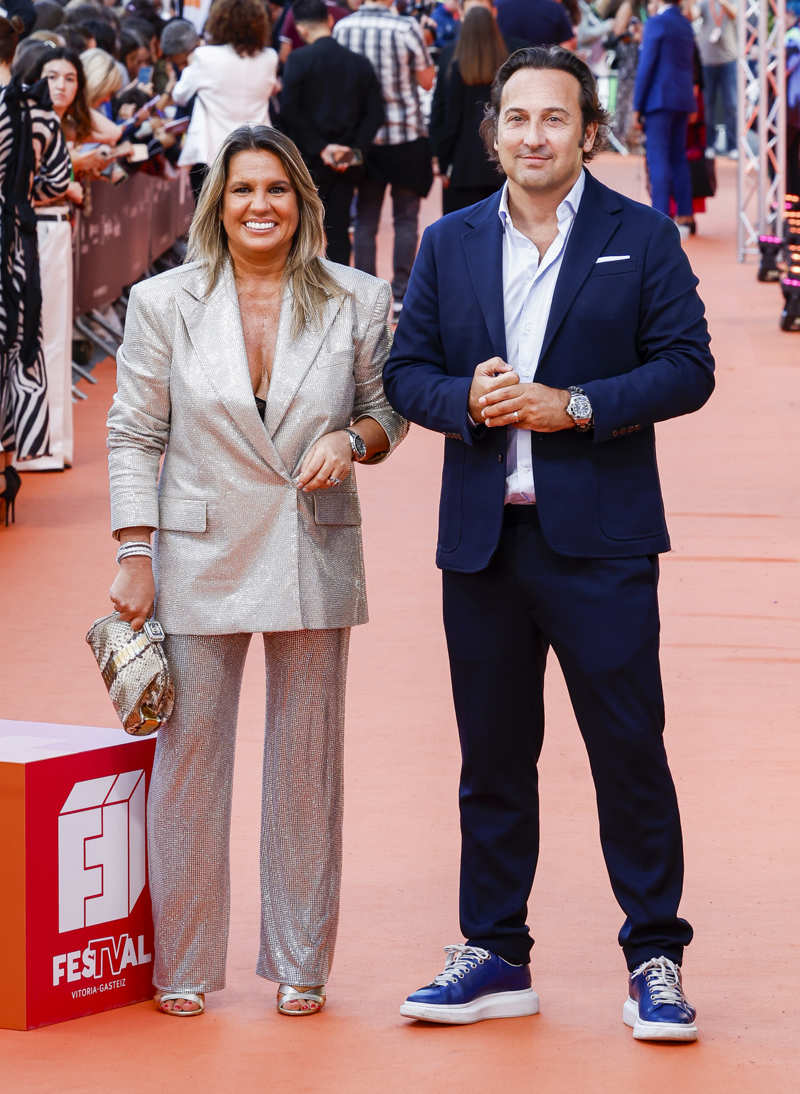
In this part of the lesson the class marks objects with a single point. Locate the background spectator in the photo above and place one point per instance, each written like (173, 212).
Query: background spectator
(49, 15)
(290, 37)
(331, 131)
(537, 22)
(233, 80)
(64, 74)
(400, 156)
(664, 98)
(467, 174)
(446, 16)
(716, 39)
(34, 163)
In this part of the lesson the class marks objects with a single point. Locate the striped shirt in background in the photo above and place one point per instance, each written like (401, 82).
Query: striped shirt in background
(397, 50)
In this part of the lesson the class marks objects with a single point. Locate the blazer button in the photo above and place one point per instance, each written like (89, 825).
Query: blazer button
(500, 457)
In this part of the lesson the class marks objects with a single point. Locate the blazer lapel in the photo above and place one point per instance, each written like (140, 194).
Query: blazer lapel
(215, 329)
(595, 223)
(483, 247)
(293, 358)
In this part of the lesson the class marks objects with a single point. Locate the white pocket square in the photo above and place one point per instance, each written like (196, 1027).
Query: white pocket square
(611, 258)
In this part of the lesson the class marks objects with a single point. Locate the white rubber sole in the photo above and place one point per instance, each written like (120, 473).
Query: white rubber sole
(655, 1031)
(503, 1004)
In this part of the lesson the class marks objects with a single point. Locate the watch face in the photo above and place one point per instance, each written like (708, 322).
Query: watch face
(579, 408)
(358, 445)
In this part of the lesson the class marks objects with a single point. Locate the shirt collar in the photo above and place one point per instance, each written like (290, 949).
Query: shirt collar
(566, 210)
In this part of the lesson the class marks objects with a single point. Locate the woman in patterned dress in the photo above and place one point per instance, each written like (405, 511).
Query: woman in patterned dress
(34, 162)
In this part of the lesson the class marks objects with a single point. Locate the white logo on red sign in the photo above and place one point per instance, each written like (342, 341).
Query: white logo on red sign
(101, 850)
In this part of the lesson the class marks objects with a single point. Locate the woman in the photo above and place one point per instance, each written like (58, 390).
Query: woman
(233, 80)
(34, 162)
(65, 80)
(467, 175)
(248, 365)
(103, 80)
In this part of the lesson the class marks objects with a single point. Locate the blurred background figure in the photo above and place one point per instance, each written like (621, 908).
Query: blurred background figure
(716, 39)
(663, 100)
(62, 70)
(34, 163)
(332, 131)
(536, 22)
(467, 174)
(233, 79)
(400, 156)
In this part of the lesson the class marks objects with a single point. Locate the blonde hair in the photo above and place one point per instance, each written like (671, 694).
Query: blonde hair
(310, 282)
(103, 77)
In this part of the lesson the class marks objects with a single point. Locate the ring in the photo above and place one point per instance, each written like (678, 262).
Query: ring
(335, 482)
(516, 415)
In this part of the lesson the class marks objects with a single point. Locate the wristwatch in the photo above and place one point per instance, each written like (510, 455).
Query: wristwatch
(357, 445)
(580, 409)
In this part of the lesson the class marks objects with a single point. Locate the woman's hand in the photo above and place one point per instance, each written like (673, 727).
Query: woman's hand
(75, 193)
(133, 591)
(327, 463)
(91, 161)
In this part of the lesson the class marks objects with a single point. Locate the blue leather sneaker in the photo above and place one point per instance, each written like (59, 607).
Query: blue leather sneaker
(656, 1007)
(474, 985)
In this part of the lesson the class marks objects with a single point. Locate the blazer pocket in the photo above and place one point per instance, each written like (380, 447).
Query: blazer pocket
(624, 265)
(336, 508)
(181, 514)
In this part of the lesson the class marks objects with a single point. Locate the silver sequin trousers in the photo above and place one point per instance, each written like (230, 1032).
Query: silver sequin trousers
(189, 808)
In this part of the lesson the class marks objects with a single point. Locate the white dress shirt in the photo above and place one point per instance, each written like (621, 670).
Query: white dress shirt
(528, 286)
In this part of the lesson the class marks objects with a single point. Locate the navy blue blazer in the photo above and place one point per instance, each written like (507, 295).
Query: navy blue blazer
(665, 70)
(631, 332)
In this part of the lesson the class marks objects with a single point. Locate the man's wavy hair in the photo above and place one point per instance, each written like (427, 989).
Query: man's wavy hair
(559, 60)
(310, 282)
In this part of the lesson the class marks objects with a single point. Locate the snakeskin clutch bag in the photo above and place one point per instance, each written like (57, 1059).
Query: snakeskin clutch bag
(135, 671)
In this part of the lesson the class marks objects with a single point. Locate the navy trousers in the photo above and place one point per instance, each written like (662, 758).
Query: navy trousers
(601, 618)
(665, 149)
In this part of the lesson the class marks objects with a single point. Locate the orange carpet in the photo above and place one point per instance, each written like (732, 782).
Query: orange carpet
(730, 658)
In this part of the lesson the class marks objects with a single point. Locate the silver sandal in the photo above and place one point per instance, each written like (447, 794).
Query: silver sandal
(187, 996)
(288, 994)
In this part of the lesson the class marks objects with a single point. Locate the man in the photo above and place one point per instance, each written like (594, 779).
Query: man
(537, 22)
(400, 155)
(333, 130)
(545, 330)
(717, 42)
(663, 99)
(290, 35)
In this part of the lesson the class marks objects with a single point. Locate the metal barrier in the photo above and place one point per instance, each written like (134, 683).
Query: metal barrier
(127, 229)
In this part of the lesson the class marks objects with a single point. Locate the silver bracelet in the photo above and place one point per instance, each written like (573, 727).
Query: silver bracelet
(135, 547)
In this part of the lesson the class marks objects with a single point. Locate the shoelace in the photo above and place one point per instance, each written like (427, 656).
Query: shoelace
(663, 978)
(461, 959)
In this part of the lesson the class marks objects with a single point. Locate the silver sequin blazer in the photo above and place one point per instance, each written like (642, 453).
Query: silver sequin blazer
(239, 548)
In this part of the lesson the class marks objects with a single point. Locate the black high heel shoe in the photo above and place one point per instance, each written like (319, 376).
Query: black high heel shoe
(9, 495)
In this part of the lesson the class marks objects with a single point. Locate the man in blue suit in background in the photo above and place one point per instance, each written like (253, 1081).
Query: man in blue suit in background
(545, 330)
(663, 99)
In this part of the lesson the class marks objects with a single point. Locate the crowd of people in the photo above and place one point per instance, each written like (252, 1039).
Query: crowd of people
(254, 375)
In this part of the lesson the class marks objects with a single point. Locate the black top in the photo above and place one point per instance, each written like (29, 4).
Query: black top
(437, 122)
(539, 22)
(330, 95)
(457, 141)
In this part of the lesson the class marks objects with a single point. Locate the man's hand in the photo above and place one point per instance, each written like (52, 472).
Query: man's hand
(336, 156)
(526, 406)
(489, 376)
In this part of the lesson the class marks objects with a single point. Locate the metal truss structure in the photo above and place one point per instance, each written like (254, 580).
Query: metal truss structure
(761, 85)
